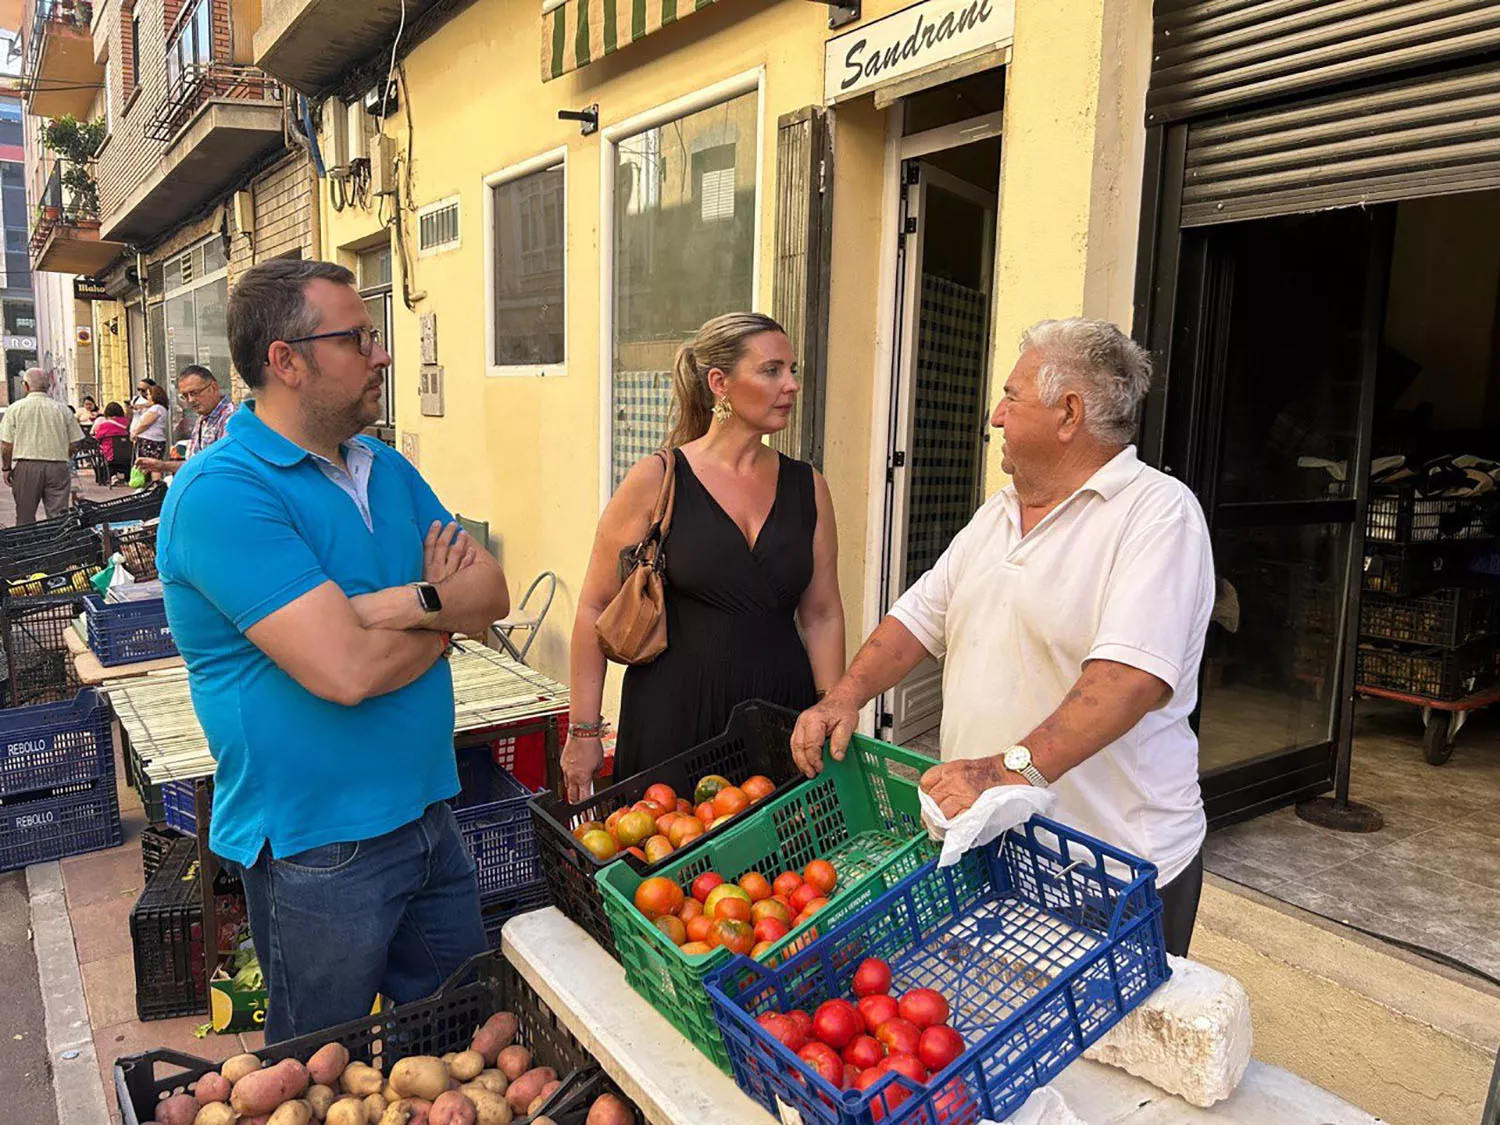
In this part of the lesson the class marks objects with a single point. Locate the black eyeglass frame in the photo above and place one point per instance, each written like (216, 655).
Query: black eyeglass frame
(355, 334)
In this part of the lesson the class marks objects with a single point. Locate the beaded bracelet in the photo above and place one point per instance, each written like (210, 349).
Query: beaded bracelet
(597, 729)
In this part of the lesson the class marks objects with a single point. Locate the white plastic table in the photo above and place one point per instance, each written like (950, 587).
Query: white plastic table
(675, 1084)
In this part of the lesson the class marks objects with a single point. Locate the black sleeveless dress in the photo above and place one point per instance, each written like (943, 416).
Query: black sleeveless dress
(731, 625)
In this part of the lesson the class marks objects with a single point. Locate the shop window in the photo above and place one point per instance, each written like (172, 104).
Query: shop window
(373, 272)
(191, 324)
(527, 232)
(684, 251)
(20, 318)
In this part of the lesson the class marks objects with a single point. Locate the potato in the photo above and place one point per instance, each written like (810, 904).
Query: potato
(448, 1059)
(505, 1024)
(419, 1076)
(327, 1063)
(258, 1119)
(297, 1112)
(361, 1079)
(451, 1108)
(320, 1098)
(489, 1108)
(374, 1108)
(514, 1062)
(525, 1088)
(263, 1091)
(494, 1081)
(407, 1111)
(498, 1032)
(212, 1087)
(240, 1065)
(609, 1110)
(388, 1092)
(541, 1099)
(215, 1113)
(348, 1110)
(179, 1109)
(466, 1065)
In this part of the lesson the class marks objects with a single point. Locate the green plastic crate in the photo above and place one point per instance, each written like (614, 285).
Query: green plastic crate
(860, 814)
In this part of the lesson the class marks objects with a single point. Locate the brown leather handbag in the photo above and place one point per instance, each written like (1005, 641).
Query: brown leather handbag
(633, 628)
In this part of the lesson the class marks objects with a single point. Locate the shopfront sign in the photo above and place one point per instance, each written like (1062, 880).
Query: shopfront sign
(89, 289)
(911, 41)
(18, 343)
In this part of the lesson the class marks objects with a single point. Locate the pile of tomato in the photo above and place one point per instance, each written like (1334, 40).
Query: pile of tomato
(747, 916)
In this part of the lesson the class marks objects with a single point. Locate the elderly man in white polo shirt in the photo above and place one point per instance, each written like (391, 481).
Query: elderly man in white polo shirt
(1070, 616)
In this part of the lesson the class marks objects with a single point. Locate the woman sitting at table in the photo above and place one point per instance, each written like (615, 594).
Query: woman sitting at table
(114, 439)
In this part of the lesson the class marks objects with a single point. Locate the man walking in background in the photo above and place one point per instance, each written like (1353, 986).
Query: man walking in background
(199, 389)
(312, 583)
(37, 440)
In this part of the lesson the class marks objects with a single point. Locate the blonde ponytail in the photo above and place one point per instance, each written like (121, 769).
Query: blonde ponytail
(719, 343)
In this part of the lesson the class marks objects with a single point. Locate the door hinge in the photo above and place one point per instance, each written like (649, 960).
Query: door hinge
(897, 461)
(887, 720)
(911, 224)
(913, 172)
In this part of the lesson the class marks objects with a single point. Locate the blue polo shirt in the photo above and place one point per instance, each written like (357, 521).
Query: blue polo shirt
(252, 524)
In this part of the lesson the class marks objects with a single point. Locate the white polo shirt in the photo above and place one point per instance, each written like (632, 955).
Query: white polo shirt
(1122, 570)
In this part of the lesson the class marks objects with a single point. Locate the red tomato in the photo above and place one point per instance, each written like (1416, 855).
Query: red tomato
(802, 896)
(803, 1022)
(872, 978)
(662, 795)
(825, 1061)
(864, 1052)
(785, 1029)
(924, 1007)
(850, 1074)
(939, 1046)
(771, 929)
(899, 1036)
(822, 875)
(786, 883)
(705, 883)
(877, 1009)
(836, 1022)
(909, 1065)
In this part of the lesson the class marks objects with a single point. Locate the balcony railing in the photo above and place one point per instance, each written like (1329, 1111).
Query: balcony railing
(75, 14)
(199, 84)
(59, 207)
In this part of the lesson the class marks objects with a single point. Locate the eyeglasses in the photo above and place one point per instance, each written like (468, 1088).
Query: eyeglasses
(365, 336)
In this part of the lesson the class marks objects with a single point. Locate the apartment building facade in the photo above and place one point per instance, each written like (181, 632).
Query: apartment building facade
(190, 170)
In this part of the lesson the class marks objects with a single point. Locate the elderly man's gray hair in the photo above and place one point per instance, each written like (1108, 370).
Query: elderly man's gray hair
(1109, 370)
(38, 379)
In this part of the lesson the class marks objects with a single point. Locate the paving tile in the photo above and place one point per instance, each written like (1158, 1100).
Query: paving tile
(252, 1040)
(98, 876)
(1238, 871)
(1280, 842)
(1457, 850)
(103, 929)
(109, 986)
(1420, 933)
(1482, 955)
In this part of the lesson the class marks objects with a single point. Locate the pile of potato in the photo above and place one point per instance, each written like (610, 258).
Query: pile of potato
(492, 1083)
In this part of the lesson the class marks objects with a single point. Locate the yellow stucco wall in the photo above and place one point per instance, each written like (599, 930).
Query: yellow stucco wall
(524, 453)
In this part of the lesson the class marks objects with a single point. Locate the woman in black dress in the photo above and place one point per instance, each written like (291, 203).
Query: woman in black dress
(752, 554)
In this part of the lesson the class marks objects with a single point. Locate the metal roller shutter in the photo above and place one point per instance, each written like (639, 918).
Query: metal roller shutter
(1210, 56)
(1400, 140)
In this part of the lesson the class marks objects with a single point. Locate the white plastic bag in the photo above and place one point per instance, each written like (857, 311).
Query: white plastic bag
(997, 810)
(1044, 1107)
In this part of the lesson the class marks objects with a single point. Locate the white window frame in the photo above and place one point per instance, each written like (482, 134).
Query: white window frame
(438, 205)
(611, 137)
(542, 162)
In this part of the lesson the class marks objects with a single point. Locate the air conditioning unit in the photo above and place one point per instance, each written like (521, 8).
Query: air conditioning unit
(357, 133)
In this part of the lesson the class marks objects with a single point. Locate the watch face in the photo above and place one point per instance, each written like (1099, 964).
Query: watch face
(431, 602)
(1017, 758)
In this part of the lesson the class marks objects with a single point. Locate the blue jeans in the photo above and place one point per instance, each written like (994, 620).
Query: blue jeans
(338, 924)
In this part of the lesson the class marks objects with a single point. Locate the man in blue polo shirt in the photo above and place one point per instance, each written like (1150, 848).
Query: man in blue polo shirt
(312, 582)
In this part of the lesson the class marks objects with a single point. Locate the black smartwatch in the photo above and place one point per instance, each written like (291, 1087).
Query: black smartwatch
(427, 594)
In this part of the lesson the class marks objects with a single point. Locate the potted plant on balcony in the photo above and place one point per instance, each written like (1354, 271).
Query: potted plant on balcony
(77, 142)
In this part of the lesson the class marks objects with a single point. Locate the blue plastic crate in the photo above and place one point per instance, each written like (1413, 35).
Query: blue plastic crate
(51, 745)
(128, 632)
(496, 910)
(493, 815)
(1039, 946)
(71, 821)
(179, 806)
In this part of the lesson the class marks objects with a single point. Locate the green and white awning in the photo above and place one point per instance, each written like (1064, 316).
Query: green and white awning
(578, 32)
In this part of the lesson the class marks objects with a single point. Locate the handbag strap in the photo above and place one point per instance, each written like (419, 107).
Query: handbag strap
(661, 512)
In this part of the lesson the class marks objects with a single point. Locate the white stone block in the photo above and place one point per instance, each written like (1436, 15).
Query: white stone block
(1191, 1037)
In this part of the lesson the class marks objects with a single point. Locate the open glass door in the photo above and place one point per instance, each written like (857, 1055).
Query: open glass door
(1268, 420)
(938, 405)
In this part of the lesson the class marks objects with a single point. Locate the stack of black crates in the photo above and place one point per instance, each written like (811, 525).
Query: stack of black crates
(167, 934)
(1429, 625)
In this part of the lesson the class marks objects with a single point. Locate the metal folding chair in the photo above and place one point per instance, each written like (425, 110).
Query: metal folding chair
(524, 619)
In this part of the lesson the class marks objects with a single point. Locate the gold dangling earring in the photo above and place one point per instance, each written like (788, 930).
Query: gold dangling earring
(722, 410)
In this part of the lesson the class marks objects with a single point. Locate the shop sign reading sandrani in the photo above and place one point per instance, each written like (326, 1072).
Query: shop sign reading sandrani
(913, 40)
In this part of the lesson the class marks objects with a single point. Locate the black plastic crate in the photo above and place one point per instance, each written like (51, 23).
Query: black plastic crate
(39, 667)
(1411, 570)
(444, 1022)
(24, 537)
(156, 843)
(137, 545)
(756, 741)
(1399, 515)
(569, 1104)
(1439, 674)
(76, 548)
(167, 935)
(72, 580)
(1452, 616)
(142, 505)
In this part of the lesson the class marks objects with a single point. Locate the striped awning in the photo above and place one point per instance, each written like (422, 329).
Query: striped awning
(578, 32)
